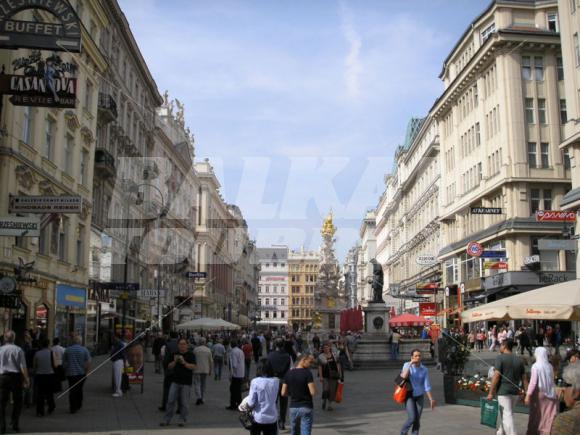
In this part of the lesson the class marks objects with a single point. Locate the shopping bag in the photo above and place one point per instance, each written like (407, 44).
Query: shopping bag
(489, 411)
(400, 394)
(339, 389)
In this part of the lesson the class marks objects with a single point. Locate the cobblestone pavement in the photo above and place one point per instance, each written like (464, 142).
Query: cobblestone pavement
(367, 409)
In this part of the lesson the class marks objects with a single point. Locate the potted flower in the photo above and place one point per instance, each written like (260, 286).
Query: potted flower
(453, 355)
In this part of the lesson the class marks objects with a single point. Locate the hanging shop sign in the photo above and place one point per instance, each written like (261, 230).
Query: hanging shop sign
(10, 301)
(427, 309)
(426, 260)
(41, 82)
(45, 204)
(557, 245)
(555, 216)
(495, 265)
(62, 35)
(72, 298)
(20, 226)
(474, 249)
(428, 288)
(532, 259)
(7, 285)
(151, 293)
(486, 210)
(121, 286)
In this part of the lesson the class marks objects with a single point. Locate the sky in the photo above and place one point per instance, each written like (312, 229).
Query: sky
(300, 104)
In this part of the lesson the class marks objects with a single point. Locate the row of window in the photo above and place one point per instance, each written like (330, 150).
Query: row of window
(530, 112)
(490, 81)
(492, 122)
(470, 140)
(274, 301)
(274, 314)
(468, 102)
(307, 289)
(302, 312)
(307, 278)
(472, 177)
(275, 264)
(303, 268)
(302, 301)
(266, 289)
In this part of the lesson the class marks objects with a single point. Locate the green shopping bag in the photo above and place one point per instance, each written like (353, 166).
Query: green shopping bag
(489, 411)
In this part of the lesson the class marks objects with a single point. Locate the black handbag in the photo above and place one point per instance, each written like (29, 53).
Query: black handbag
(247, 419)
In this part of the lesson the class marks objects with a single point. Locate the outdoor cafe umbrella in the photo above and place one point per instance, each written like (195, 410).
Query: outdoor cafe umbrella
(207, 324)
(408, 320)
(555, 302)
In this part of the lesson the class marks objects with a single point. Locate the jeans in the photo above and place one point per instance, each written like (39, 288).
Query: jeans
(10, 383)
(157, 363)
(505, 419)
(75, 395)
(301, 421)
(118, 374)
(414, 406)
(178, 393)
(218, 364)
(199, 382)
(395, 351)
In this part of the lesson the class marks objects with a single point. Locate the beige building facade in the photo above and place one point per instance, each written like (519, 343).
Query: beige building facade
(500, 126)
(302, 275)
(50, 152)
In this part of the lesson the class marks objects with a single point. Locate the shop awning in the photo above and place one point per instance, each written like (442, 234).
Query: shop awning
(406, 320)
(555, 302)
(207, 324)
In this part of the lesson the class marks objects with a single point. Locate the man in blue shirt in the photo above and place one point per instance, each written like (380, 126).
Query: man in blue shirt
(77, 363)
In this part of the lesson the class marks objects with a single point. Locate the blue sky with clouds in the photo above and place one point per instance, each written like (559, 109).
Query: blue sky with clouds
(300, 104)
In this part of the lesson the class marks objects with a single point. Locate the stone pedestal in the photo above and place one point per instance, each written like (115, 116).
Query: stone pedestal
(373, 350)
(377, 319)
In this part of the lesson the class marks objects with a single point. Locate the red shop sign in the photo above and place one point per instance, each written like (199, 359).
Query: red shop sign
(427, 309)
(555, 216)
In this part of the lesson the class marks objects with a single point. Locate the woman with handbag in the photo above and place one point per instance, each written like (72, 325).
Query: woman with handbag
(419, 385)
(262, 400)
(329, 372)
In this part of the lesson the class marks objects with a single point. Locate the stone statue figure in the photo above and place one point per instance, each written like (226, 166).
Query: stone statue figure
(377, 282)
(180, 112)
(166, 99)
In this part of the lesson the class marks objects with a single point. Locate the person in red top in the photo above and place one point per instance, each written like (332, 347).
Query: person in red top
(248, 352)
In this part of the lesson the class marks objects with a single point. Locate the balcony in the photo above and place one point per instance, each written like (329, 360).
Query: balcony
(104, 163)
(107, 108)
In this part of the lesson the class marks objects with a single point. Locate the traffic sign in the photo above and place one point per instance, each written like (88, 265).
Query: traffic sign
(196, 275)
(474, 249)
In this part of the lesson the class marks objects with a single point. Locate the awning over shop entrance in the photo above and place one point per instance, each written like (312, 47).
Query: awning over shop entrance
(555, 302)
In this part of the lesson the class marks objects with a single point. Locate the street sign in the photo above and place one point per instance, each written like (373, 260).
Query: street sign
(493, 254)
(557, 245)
(63, 34)
(196, 275)
(486, 210)
(474, 249)
(20, 226)
(45, 204)
(426, 260)
(555, 216)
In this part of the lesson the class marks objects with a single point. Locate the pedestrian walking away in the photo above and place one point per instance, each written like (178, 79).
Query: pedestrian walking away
(182, 367)
(299, 386)
(219, 353)
(329, 372)
(420, 385)
(248, 352)
(13, 378)
(77, 363)
(204, 363)
(45, 376)
(158, 343)
(541, 395)
(395, 339)
(509, 373)
(237, 368)
(281, 363)
(58, 354)
(262, 400)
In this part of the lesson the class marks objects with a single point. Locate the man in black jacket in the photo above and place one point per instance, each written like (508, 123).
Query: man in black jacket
(281, 363)
(170, 350)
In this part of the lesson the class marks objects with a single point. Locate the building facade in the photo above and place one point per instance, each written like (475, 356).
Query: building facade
(302, 275)
(273, 296)
(366, 252)
(500, 126)
(407, 224)
(569, 19)
(50, 152)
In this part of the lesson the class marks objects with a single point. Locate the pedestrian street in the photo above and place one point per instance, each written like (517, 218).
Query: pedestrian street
(367, 408)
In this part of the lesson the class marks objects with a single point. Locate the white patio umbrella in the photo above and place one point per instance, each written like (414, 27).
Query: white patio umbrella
(207, 324)
(555, 302)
